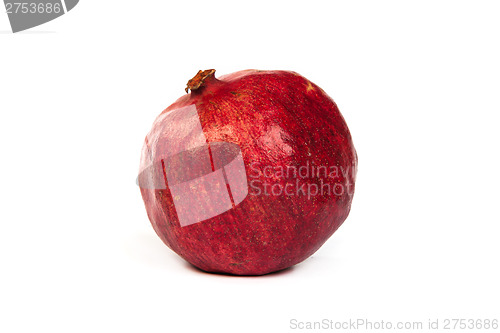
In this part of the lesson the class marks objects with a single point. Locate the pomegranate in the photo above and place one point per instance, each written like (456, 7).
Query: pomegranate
(248, 174)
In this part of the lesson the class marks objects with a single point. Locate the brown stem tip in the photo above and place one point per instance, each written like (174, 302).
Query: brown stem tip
(198, 79)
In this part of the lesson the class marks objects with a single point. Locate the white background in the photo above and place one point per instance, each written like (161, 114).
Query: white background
(417, 82)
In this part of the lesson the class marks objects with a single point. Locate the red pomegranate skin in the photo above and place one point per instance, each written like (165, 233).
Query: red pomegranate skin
(278, 119)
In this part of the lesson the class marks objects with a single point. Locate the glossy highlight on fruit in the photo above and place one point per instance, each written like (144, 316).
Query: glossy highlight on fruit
(249, 173)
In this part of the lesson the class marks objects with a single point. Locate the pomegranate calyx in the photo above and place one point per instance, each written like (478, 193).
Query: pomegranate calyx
(197, 81)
